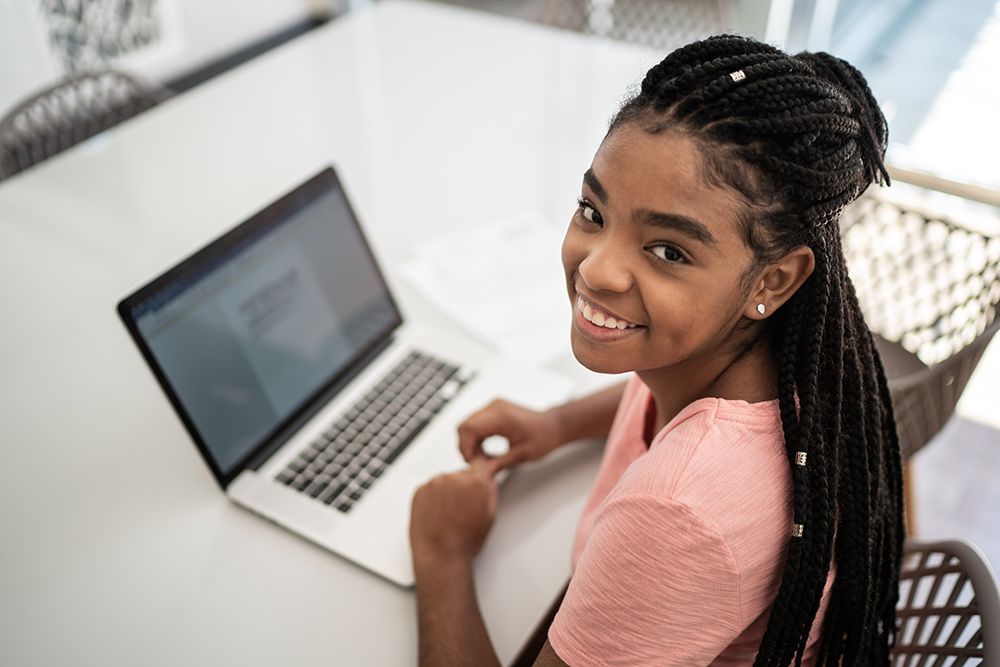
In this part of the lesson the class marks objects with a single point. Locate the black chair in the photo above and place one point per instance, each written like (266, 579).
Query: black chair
(68, 113)
(949, 607)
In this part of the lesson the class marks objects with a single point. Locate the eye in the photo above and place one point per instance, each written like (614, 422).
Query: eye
(589, 213)
(667, 253)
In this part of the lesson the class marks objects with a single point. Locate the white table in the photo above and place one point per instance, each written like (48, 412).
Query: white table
(116, 545)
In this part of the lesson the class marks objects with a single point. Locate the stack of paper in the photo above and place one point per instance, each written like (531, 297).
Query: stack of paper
(503, 282)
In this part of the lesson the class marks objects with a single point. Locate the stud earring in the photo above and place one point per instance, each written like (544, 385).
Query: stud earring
(760, 308)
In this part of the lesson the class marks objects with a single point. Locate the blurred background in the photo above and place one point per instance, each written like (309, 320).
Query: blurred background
(930, 62)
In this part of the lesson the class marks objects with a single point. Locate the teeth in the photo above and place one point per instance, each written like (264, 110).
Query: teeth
(600, 319)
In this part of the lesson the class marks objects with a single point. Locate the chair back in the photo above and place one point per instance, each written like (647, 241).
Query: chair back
(929, 289)
(949, 607)
(661, 24)
(68, 113)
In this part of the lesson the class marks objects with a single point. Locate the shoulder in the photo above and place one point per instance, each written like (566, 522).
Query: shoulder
(726, 462)
(653, 577)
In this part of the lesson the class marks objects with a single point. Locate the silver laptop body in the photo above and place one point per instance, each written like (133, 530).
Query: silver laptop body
(314, 404)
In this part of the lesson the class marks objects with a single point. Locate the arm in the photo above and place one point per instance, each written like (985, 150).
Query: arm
(451, 516)
(450, 625)
(533, 434)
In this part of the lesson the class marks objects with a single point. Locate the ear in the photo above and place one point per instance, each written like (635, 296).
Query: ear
(779, 281)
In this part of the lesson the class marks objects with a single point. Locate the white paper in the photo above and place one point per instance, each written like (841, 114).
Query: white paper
(503, 282)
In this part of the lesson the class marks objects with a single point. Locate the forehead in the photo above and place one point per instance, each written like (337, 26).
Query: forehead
(664, 172)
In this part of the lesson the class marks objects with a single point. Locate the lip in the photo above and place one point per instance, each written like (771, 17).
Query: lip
(600, 333)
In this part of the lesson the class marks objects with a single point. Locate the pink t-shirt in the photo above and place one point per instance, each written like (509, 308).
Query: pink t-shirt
(680, 549)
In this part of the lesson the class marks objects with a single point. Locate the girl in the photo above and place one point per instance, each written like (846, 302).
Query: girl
(748, 508)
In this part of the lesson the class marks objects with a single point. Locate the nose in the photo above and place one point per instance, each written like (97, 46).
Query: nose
(607, 266)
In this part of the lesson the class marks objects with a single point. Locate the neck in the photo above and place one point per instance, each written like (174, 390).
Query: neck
(750, 377)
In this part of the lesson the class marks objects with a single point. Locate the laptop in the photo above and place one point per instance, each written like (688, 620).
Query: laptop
(284, 354)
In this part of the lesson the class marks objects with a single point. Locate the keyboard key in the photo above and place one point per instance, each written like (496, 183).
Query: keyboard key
(331, 493)
(315, 488)
(449, 389)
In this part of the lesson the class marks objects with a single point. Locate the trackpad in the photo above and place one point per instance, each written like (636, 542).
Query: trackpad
(435, 459)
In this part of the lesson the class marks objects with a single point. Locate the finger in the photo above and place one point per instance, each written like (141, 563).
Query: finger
(491, 420)
(480, 467)
(512, 458)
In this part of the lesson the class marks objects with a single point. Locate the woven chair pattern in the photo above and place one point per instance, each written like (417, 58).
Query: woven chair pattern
(68, 113)
(949, 607)
(932, 288)
(662, 24)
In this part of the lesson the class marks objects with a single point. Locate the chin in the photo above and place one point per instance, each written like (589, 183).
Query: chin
(597, 363)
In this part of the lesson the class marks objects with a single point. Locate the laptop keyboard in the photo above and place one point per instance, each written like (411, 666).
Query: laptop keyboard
(349, 457)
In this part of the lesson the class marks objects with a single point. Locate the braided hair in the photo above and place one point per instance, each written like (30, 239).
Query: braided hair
(800, 137)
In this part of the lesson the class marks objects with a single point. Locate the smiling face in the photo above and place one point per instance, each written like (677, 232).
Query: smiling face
(654, 261)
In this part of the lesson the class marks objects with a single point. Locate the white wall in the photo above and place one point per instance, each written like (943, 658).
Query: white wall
(25, 60)
(194, 33)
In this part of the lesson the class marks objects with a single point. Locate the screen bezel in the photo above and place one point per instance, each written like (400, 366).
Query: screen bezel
(207, 259)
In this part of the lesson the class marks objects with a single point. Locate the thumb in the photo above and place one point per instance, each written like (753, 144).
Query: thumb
(479, 467)
(513, 457)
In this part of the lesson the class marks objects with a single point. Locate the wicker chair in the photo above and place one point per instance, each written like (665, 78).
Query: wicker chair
(949, 607)
(68, 113)
(662, 24)
(929, 289)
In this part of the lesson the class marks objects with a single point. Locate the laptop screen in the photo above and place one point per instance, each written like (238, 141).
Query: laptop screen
(247, 332)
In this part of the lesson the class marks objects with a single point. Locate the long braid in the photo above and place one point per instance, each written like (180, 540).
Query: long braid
(809, 130)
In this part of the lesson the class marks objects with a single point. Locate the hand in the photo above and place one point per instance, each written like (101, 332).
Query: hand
(531, 434)
(452, 514)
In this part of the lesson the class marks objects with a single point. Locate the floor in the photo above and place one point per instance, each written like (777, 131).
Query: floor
(930, 63)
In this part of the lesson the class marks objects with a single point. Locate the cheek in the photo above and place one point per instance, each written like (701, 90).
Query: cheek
(573, 251)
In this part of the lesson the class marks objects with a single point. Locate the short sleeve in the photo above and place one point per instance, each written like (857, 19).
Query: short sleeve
(655, 585)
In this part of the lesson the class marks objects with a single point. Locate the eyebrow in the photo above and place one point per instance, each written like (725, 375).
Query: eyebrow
(590, 179)
(681, 223)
